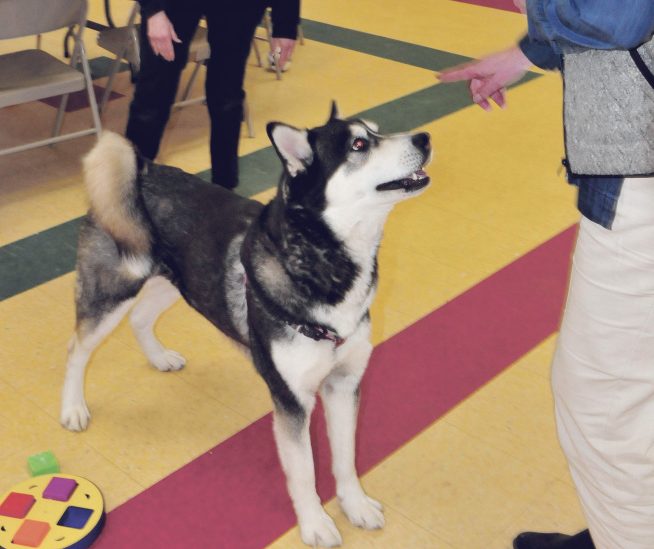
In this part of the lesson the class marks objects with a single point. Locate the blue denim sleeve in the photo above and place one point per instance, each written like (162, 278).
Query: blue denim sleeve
(541, 54)
(597, 24)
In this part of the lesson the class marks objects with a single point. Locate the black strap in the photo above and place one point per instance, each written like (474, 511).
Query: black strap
(319, 333)
(642, 67)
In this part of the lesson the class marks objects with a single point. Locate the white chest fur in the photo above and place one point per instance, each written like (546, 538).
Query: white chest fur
(361, 238)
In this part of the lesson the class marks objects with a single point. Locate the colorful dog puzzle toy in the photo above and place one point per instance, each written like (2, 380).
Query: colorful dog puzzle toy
(51, 512)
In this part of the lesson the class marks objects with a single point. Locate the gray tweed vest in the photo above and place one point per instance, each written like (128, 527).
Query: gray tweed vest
(609, 111)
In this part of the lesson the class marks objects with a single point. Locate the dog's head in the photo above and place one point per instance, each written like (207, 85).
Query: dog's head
(348, 163)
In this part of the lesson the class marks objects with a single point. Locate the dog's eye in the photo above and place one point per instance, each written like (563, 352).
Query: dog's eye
(360, 144)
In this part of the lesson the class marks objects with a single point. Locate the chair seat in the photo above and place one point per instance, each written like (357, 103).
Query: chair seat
(114, 40)
(199, 50)
(30, 75)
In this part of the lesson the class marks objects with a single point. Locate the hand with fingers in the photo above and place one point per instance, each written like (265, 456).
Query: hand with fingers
(489, 77)
(161, 35)
(282, 50)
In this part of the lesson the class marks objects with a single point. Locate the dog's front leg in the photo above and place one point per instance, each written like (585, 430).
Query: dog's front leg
(302, 364)
(340, 396)
(317, 528)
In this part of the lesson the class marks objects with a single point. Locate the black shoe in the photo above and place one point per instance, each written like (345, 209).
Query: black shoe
(536, 540)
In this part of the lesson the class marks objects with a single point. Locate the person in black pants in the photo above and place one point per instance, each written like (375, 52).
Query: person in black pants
(167, 29)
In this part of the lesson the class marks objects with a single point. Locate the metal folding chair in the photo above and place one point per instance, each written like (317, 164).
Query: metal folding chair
(123, 42)
(32, 74)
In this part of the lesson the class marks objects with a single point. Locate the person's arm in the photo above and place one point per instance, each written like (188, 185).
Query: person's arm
(556, 26)
(150, 7)
(488, 77)
(596, 24)
(285, 20)
(161, 33)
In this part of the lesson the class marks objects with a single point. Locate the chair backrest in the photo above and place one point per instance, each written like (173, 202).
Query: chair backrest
(28, 17)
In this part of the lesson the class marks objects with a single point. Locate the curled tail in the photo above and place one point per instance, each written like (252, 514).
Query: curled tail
(110, 174)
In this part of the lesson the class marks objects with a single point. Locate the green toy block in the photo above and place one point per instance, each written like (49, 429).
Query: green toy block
(42, 464)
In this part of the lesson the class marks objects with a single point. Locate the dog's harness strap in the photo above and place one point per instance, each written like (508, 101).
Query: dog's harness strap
(318, 333)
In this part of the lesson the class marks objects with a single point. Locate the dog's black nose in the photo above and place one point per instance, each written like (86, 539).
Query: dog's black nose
(421, 141)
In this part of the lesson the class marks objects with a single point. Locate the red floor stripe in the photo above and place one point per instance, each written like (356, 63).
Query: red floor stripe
(507, 5)
(234, 496)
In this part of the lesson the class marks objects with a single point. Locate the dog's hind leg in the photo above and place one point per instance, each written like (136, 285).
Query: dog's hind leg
(90, 332)
(157, 295)
(340, 396)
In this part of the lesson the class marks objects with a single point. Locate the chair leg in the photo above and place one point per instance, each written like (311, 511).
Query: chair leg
(89, 87)
(60, 115)
(189, 85)
(115, 67)
(269, 31)
(64, 99)
(248, 118)
(257, 53)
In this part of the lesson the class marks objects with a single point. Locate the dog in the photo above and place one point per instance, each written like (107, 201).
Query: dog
(291, 281)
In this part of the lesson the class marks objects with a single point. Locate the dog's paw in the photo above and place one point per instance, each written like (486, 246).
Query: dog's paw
(363, 511)
(320, 531)
(168, 361)
(75, 418)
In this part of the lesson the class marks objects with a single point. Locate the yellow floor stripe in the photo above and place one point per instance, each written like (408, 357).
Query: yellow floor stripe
(441, 24)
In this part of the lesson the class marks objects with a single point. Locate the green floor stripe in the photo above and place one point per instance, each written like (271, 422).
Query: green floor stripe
(44, 256)
(380, 46)
(38, 258)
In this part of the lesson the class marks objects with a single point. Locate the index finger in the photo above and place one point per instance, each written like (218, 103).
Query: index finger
(464, 72)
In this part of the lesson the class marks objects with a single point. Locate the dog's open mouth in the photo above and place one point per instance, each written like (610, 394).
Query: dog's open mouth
(417, 180)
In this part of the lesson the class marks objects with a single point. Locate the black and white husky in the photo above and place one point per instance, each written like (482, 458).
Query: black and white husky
(292, 281)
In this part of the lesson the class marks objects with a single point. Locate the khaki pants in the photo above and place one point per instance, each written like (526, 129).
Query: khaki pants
(603, 372)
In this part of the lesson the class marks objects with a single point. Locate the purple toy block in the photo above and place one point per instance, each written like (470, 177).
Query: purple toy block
(59, 489)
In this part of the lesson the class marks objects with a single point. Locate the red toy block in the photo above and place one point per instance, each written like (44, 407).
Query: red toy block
(31, 533)
(16, 505)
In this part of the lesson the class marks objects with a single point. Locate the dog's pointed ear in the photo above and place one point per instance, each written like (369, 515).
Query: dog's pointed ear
(292, 146)
(334, 114)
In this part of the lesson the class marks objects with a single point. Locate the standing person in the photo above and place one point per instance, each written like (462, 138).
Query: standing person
(167, 29)
(603, 367)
